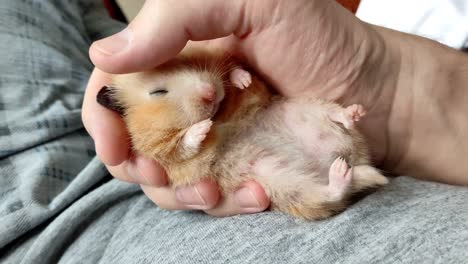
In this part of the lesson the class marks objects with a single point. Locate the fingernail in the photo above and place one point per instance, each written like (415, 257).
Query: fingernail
(114, 44)
(151, 171)
(190, 196)
(246, 199)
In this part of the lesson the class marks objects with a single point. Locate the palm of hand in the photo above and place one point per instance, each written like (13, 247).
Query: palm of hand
(315, 57)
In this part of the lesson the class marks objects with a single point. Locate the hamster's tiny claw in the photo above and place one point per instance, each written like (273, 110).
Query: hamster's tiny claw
(240, 78)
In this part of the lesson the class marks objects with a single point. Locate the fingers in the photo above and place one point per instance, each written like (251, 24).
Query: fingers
(105, 126)
(250, 198)
(161, 30)
(140, 170)
(201, 196)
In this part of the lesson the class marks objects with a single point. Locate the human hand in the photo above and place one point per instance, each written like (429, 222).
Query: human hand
(311, 34)
(302, 48)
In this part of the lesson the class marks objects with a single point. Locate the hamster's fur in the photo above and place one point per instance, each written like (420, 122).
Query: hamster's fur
(201, 116)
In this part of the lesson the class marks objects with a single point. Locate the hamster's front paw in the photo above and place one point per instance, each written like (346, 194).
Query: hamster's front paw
(240, 78)
(196, 134)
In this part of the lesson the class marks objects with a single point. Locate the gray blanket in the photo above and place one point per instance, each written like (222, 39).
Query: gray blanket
(59, 205)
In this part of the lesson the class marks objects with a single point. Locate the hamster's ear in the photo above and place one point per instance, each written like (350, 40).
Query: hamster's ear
(105, 97)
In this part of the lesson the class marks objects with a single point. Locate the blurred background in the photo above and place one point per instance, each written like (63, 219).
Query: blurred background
(130, 7)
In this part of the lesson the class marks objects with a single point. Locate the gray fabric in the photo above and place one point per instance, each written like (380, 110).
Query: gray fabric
(58, 205)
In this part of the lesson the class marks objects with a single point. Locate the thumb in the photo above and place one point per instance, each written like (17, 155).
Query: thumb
(161, 30)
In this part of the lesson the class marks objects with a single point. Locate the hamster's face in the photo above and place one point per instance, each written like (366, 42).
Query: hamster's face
(187, 95)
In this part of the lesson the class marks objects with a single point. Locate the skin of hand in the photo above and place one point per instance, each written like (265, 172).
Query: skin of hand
(303, 48)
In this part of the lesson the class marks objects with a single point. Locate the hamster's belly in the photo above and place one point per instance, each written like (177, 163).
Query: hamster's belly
(314, 133)
(289, 146)
(291, 141)
(301, 130)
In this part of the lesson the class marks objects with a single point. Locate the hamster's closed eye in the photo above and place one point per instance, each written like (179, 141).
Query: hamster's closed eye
(158, 92)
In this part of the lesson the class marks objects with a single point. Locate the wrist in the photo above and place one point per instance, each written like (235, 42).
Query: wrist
(427, 120)
(436, 144)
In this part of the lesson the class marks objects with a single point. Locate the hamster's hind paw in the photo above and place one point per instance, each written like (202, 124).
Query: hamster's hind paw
(240, 78)
(355, 112)
(196, 134)
(339, 177)
(347, 116)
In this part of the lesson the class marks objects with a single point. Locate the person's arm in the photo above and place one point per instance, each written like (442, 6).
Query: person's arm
(416, 91)
(428, 124)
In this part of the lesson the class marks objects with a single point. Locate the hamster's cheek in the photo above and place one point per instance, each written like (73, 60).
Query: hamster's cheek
(193, 110)
(220, 93)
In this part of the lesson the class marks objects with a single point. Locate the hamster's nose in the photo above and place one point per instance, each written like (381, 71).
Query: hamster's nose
(207, 91)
